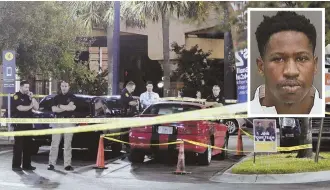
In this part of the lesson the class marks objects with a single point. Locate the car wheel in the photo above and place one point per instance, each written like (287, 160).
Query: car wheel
(116, 147)
(205, 158)
(136, 156)
(224, 154)
(232, 126)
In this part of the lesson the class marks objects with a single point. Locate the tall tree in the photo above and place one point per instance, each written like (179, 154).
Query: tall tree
(101, 14)
(43, 34)
(156, 11)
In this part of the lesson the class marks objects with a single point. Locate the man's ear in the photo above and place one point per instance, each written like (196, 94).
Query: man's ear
(260, 65)
(315, 64)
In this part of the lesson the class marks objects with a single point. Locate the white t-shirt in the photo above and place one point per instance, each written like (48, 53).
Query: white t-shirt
(257, 108)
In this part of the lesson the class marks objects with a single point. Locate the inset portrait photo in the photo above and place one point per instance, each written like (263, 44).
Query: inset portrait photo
(286, 62)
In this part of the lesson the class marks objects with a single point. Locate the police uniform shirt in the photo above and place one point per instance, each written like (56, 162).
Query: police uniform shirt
(148, 98)
(64, 99)
(218, 99)
(125, 98)
(23, 100)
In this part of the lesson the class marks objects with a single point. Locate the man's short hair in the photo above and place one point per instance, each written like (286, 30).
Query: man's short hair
(130, 83)
(64, 81)
(284, 21)
(216, 86)
(149, 82)
(23, 82)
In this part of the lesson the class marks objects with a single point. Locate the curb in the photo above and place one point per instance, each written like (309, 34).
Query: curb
(307, 177)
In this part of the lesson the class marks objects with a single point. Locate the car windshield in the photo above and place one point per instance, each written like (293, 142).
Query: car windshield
(46, 104)
(163, 109)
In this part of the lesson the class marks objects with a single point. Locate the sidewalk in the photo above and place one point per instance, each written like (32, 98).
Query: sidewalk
(307, 177)
(4, 141)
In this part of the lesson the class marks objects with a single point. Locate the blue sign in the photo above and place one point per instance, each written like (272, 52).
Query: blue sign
(9, 71)
(241, 75)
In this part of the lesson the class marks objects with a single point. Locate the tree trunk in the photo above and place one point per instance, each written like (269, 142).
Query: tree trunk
(166, 53)
(305, 138)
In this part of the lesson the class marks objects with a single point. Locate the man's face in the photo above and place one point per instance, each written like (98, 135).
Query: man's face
(216, 91)
(65, 87)
(25, 89)
(198, 94)
(130, 89)
(288, 66)
(150, 87)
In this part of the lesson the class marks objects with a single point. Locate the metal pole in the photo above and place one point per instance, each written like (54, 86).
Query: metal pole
(319, 141)
(116, 48)
(8, 113)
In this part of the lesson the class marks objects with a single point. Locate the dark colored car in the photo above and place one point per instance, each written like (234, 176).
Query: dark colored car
(290, 130)
(85, 107)
(325, 140)
(113, 102)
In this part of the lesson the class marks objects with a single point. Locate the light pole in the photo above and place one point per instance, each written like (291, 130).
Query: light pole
(113, 43)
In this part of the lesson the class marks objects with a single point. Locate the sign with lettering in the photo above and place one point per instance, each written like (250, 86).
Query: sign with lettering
(9, 71)
(265, 138)
(241, 75)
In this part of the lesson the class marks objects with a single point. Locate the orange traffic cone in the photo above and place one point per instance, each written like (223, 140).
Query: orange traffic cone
(239, 146)
(100, 155)
(181, 166)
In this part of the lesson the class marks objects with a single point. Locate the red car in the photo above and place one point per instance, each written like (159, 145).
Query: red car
(207, 132)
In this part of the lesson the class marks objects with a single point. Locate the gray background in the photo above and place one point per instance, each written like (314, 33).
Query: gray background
(256, 18)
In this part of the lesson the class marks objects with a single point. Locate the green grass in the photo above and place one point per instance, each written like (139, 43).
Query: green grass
(281, 164)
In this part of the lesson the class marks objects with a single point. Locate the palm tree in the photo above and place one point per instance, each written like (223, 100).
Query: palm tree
(155, 11)
(101, 14)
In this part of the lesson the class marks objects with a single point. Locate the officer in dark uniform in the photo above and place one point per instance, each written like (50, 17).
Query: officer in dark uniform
(128, 103)
(22, 105)
(216, 97)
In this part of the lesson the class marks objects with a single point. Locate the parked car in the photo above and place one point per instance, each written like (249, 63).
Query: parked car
(208, 132)
(113, 102)
(290, 130)
(85, 107)
(325, 140)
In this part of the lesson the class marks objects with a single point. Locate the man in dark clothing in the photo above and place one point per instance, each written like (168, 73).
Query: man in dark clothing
(128, 103)
(270, 132)
(22, 105)
(127, 100)
(215, 96)
(259, 129)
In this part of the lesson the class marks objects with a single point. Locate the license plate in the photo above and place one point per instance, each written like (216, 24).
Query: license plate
(165, 130)
(288, 135)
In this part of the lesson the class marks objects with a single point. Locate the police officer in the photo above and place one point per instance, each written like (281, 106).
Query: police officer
(63, 107)
(149, 97)
(22, 106)
(127, 100)
(216, 97)
(128, 103)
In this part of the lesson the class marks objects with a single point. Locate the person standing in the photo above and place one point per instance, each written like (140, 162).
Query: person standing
(215, 96)
(149, 97)
(63, 107)
(22, 105)
(198, 95)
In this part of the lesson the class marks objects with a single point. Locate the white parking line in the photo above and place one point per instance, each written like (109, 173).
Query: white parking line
(13, 184)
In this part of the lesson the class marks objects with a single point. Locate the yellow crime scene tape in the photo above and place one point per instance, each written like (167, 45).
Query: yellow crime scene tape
(115, 134)
(160, 144)
(35, 95)
(225, 112)
(283, 149)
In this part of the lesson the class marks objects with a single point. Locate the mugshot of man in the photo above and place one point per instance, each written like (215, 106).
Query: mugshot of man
(288, 64)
